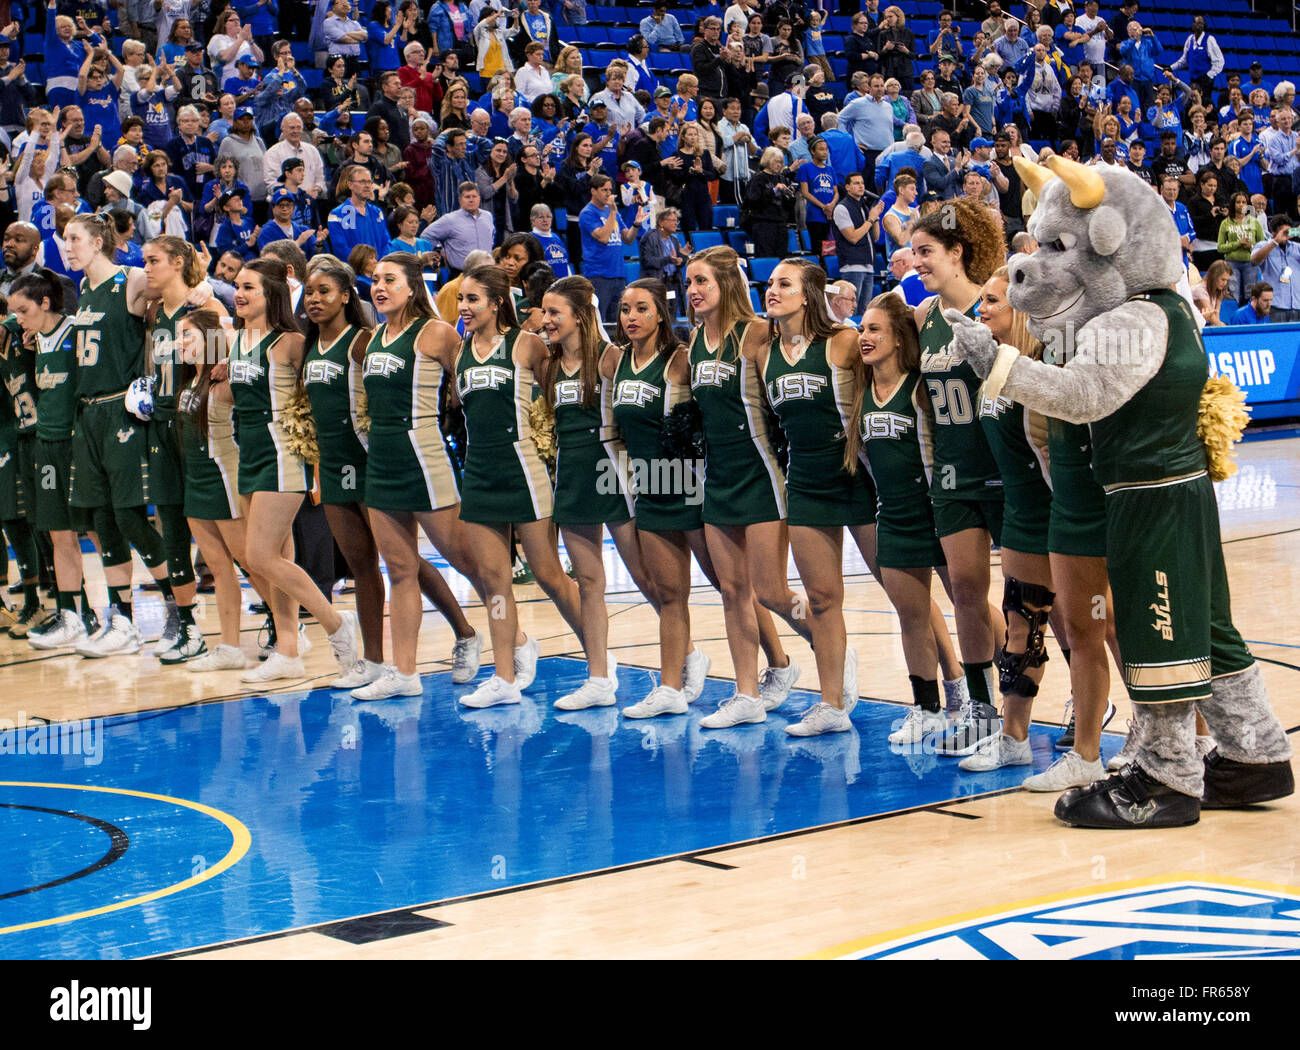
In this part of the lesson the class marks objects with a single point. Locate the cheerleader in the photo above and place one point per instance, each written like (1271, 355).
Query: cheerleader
(505, 483)
(956, 249)
(652, 376)
(265, 361)
(172, 269)
(889, 411)
(744, 492)
(809, 374)
(592, 490)
(378, 488)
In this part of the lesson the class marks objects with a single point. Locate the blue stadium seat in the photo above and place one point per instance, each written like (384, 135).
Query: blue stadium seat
(793, 247)
(756, 301)
(301, 51)
(314, 77)
(831, 265)
(739, 241)
(592, 34)
(725, 216)
(632, 270)
(761, 269)
(706, 239)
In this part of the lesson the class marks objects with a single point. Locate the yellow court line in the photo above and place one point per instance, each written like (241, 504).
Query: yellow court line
(931, 925)
(239, 833)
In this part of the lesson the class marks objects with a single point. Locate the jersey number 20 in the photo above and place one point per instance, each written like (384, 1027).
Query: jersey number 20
(951, 401)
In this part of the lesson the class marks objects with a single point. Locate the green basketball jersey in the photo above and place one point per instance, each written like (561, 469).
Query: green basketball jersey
(260, 386)
(642, 399)
(891, 443)
(401, 383)
(110, 339)
(18, 373)
(165, 362)
(728, 389)
(333, 381)
(56, 379)
(577, 424)
(495, 392)
(1152, 437)
(964, 467)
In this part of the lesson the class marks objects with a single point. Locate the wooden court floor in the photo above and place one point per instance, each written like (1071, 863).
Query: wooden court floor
(808, 892)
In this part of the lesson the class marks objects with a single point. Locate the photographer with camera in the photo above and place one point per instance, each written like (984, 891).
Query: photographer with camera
(770, 198)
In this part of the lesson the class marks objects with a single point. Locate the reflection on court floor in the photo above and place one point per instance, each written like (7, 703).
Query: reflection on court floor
(358, 808)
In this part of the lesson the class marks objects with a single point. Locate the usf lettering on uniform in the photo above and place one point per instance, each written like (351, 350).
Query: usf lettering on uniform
(333, 381)
(262, 389)
(591, 482)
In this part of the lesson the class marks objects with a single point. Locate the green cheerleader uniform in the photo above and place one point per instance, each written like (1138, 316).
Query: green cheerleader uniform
(262, 388)
(407, 468)
(1027, 498)
(899, 463)
(812, 399)
(332, 380)
(591, 482)
(505, 480)
(211, 460)
(743, 484)
(1078, 521)
(965, 485)
(667, 489)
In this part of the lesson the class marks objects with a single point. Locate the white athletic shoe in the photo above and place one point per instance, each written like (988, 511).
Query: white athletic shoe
(661, 700)
(171, 632)
(189, 646)
(695, 671)
(304, 642)
(775, 683)
(277, 667)
(956, 695)
(1070, 770)
(594, 692)
(918, 725)
(222, 658)
(734, 711)
(390, 682)
(119, 637)
(1128, 752)
(998, 751)
(345, 641)
(466, 655)
(976, 724)
(526, 663)
(68, 631)
(496, 690)
(821, 718)
(363, 672)
(850, 680)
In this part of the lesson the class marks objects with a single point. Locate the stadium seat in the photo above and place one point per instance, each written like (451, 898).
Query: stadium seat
(706, 239)
(739, 242)
(725, 216)
(760, 270)
(632, 270)
(831, 264)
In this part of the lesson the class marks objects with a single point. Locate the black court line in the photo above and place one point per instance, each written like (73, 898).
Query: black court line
(950, 813)
(1261, 536)
(118, 843)
(709, 863)
(1279, 663)
(691, 857)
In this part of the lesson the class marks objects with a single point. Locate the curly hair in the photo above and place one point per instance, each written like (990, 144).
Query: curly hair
(972, 225)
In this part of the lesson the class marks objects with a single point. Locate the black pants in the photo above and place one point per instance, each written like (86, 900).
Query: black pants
(818, 232)
(771, 239)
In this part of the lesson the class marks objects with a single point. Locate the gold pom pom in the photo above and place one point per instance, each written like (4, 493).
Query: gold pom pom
(362, 411)
(299, 428)
(541, 418)
(1220, 422)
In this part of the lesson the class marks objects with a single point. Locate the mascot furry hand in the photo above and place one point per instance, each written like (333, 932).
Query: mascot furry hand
(1122, 353)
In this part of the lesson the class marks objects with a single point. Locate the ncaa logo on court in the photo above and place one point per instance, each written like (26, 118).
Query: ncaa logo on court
(1189, 917)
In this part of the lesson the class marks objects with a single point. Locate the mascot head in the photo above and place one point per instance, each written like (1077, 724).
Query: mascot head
(1103, 236)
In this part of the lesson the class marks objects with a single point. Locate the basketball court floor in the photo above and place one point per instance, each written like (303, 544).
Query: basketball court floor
(148, 812)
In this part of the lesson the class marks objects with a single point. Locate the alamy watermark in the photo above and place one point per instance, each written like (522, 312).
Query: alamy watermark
(652, 477)
(83, 737)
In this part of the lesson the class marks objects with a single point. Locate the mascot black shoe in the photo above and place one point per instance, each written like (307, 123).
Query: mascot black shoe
(1230, 785)
(1128, 799)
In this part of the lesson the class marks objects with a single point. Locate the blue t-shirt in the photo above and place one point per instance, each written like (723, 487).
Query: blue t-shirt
(554, 253)
(100, 107)
(129, 255)
(417, 247)
(155, 112)
(1071, 56)
(535, 26)
(1183, 220)
(609, 155)
(1251, 174)
(273, 232)
(601, 260)
(240, 86)
(981, 102)
(821, 184)
(238, 239)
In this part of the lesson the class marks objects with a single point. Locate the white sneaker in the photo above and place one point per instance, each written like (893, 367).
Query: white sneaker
(346, 641)
(662, 700)
(171, 632)
(998, 751)
(1128, 752)
(496, 690)
(189, 646)
(391, 682)
(594, 692)
(277, 666)
(695, 671)
(1070, 770)
(363, 672)
(526, 663)
(850, 680)
(775, 683)
(956, 695)
(304, 643)
(821, 718)
(466, 655)
(222, 658)
(120, 637)
(734, 711)
(68, 631)
(918, 725)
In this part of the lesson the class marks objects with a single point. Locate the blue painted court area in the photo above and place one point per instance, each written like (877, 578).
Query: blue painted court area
(197, 825)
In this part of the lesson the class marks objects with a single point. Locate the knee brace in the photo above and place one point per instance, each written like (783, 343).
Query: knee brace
(1032, 603)
(176, 540)
(134, 525)
(113, 548)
